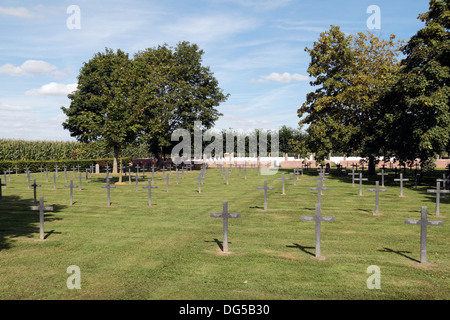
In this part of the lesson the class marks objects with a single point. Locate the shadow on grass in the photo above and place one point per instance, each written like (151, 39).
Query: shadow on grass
(219, 243)
(401, 253)
(302, 248)
(18, 220)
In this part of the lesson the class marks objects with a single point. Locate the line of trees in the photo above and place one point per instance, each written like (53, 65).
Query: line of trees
(368, 103)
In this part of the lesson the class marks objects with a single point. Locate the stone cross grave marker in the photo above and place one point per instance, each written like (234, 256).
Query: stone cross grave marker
(29, 177)
(16, 168)
(283, 179)
(382, 174)
(41, 208)
(164, 171)
(150, 187)
(319, 191)
(41, 169)
(377, 195)
(265, 188)
(199, 178)
(176, 172)
(1, 185)
(56, 170)
(54, 180)
(108, 189)
(227, 173)
(438, 192)
(71, 186)
(225, 215)
(401, 183)
(360, 179)
(34, 185)
(136, 177)
(129, 175)
(318, 219)
(353, 174)
(79, 177)
(153, 172)
(424, 223)
(4, 176)
(167, 181)
(444, 181)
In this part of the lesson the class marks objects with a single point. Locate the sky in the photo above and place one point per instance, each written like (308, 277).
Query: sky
(255, 48)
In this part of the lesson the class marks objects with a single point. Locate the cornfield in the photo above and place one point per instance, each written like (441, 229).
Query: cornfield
(23, 150)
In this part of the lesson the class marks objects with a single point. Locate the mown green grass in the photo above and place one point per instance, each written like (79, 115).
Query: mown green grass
(171, 250)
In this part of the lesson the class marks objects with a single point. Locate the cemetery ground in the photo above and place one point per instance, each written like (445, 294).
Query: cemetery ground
(173, 249)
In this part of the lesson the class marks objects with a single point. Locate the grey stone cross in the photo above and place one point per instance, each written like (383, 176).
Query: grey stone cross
(16, 168)
(54, 180)
(225, 215)
(108, 189)
(136, 177)
(34, 185)
(360, 179)
(41, 208)
(79, 177)
(283, 179)
(227, 173)
(167, 181)
(424, 222)
(199, 178)
(176, 172)
(265, 188)
(319, 191)
(377, 195)
(71, 186)
(401, 183)
(353, 174)
(29, 177)
(318, 219)
(56, 170)
(382, 174)
(149, 187)
(438, 192)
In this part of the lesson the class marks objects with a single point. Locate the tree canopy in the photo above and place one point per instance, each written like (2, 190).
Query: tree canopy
(122, 101)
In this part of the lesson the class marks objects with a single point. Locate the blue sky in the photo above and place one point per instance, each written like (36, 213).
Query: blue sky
(255, 48)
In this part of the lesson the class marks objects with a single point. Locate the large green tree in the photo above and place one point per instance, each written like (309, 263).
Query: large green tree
(101, 108)
(416, 105)
(173, 90)
(348, 70)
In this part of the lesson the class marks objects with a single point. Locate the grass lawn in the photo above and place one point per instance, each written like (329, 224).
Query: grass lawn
(172, 250)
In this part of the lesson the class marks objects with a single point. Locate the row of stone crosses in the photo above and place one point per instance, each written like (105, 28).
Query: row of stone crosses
(423, 222)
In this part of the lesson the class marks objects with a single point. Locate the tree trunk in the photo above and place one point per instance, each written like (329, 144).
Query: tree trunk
(371, 165)
(117, 163)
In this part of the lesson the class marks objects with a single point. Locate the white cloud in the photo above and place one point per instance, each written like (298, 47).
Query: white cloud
(209, 28)
(19, 12)
(31, 67)
(7, 107)
(53, 89)
(283, 78)
(263, 4)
